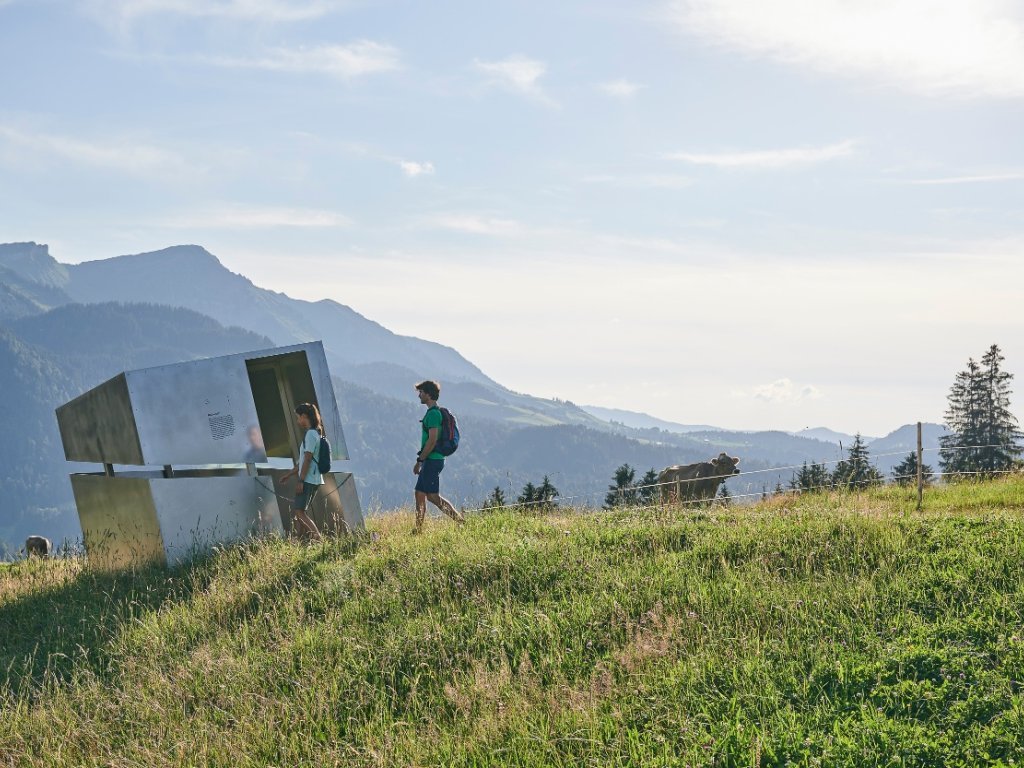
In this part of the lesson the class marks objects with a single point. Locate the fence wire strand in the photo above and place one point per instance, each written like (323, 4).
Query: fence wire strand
(555, 500)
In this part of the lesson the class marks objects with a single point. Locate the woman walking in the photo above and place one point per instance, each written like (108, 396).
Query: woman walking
(307, 471)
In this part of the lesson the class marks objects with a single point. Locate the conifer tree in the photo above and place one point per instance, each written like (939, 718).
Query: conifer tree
(796, 482)
(529, 494)
(984, 434)
(623, 492)
(724, 497)
(496, 499)
(818, 478)
(856, 470)
(905, 473)
(810, 478)
(546, 494)
(649, 490)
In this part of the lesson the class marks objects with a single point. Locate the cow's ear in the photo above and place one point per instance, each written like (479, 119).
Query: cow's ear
(735, 459)
(714, 462)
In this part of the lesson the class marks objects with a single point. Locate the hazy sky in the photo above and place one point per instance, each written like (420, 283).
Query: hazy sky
(737, 212)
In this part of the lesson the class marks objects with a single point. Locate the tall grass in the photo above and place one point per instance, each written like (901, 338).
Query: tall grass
(831, 630)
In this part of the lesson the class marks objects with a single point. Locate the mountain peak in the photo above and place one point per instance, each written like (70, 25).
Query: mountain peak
(33, 261)
(178, 256)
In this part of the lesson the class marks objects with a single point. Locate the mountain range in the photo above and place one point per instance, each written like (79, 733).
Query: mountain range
(66, 327)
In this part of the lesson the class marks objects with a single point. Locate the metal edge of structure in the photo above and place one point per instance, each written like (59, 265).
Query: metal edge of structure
(99, 425)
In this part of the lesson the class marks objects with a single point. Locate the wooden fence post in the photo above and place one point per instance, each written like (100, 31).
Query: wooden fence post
(920, 470)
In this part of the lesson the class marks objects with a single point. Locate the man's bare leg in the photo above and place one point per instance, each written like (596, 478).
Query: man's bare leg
(421, 510)
(445, 506)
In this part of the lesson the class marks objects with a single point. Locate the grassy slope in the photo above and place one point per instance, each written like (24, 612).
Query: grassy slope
(829, 630)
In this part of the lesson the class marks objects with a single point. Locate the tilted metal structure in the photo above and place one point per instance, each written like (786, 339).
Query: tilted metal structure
(193, 453)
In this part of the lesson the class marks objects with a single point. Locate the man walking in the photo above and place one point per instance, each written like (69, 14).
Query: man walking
(430, 463)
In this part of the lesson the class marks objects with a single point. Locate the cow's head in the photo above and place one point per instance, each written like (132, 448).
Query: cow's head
(725, 464)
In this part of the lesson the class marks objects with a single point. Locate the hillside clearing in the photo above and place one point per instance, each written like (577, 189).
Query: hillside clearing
(823, 630)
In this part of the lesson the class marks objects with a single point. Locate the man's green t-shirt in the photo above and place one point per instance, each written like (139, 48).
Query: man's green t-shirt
(431, 420)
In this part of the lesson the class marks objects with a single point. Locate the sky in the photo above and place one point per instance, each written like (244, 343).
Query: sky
(754, 215)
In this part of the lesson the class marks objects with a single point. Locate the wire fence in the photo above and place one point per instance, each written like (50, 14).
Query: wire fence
(635, 491)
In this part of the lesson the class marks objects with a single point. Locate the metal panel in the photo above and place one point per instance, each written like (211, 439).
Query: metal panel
(345, 501)
(335, 509)
(198, 513)
(326, 402)
(200, 412)
(119, 521)
(99, 426)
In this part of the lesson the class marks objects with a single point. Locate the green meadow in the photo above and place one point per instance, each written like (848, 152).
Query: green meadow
(823, 630)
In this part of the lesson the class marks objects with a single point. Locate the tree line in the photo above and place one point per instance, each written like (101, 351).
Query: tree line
(983, 440)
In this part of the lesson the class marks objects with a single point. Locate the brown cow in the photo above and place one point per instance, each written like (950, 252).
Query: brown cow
(696, 482)
(37, 546)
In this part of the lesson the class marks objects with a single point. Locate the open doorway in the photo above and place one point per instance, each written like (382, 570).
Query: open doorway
(279, 383)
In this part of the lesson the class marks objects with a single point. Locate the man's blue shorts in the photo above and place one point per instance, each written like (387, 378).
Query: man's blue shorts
(429, 478)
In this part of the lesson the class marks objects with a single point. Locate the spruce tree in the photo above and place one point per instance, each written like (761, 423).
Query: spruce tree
(796, 482)
(724, 497)
(905, 473)
(496, 499)
(546, 494)
(809, 478)
(649, 491)
(529, 494)
(817, 477)
(963, 419)
(623, 492)
(856, 470)
(983, 433)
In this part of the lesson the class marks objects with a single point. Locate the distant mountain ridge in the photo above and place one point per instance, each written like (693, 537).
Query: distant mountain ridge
(190, 276)
(644, 420)
(830, 436)
(358, 349)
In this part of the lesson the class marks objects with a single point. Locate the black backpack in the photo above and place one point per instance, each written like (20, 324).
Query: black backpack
(323, 455)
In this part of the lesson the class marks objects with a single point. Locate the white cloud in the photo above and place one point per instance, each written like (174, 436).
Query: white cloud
(641, 180)
(122, 156)
(620, 88)
(768, 159)
(363, 57)
(241, 217)
(258, 10)
(475, 224)
(937, 47)
(784, 391)
(981, 179)
(413, 169)
(518, 73)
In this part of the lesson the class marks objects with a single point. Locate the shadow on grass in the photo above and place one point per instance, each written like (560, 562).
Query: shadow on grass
(49, 633)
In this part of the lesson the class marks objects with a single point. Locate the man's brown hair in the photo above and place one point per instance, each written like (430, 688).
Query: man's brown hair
(432, 388)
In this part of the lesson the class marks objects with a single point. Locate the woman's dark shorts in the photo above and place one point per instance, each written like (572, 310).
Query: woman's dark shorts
(429, 478)
(302, 499)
